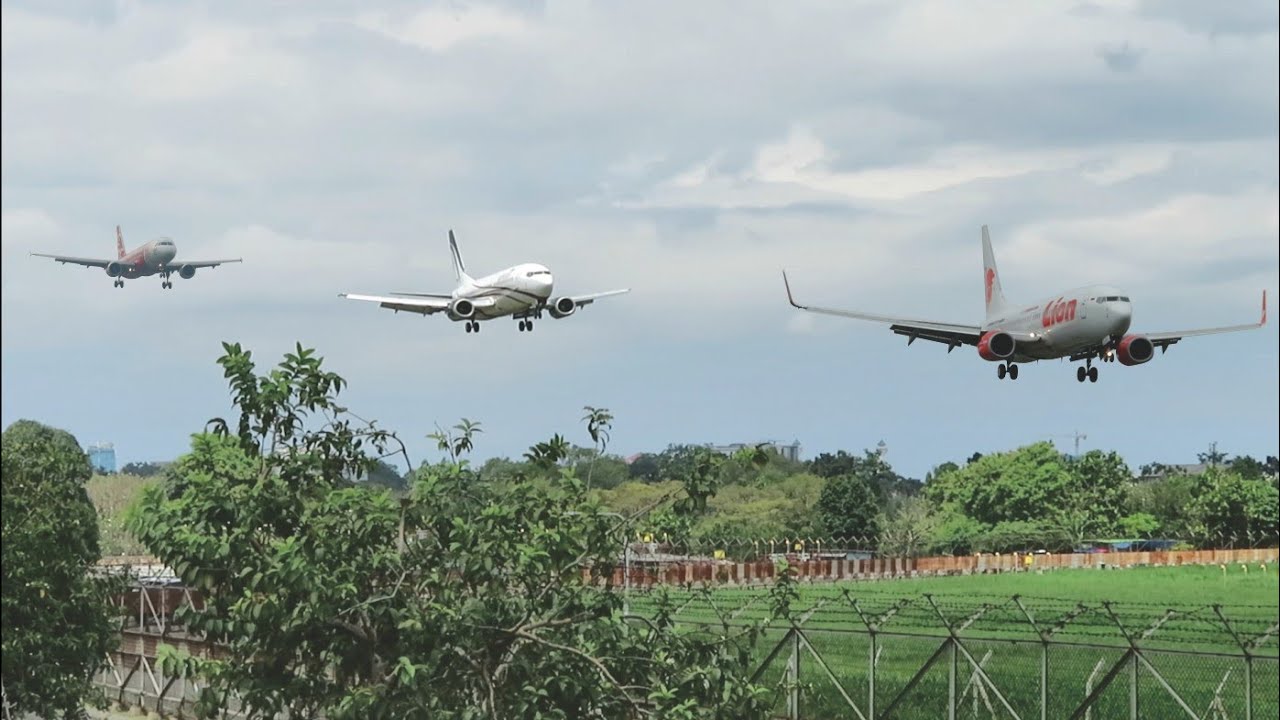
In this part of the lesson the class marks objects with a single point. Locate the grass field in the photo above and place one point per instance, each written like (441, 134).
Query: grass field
(1190, 647)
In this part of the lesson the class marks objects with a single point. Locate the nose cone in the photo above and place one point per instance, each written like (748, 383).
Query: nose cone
(1122, 314)
(168, 253)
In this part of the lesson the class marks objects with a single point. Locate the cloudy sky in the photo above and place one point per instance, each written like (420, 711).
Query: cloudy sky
(686, 150)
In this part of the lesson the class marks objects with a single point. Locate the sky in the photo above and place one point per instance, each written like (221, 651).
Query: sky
(689, 151)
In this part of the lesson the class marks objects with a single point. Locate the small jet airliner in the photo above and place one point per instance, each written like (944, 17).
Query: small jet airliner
(523, 292)
(153, 258)
(1083, 324)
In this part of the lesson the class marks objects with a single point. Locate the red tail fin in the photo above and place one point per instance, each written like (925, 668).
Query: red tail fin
(119, 243)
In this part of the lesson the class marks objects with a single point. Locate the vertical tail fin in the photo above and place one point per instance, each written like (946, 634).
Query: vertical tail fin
(459, 267)
(119, 243)
(991, 278)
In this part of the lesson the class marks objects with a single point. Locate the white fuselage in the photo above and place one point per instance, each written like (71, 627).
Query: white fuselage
(1074, 321)
(514, 290)
(148, 259)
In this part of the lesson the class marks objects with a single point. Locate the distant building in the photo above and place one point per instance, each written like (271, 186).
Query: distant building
(789, 452)
(102, 456)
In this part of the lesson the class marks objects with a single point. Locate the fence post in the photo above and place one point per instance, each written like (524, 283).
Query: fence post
(1044, 680)
(871, 678)
(1248, 686)
(793, 678)
(1133, 685)
(951, 682)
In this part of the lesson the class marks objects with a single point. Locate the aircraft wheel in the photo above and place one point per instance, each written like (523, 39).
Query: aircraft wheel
(1093, 374)
(1013, 372)
(476, 325)
(1000, 371)
(523, 326)
(529, 325)
(1080, 373)
(468, 327)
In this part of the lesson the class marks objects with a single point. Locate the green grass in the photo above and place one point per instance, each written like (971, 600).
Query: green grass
(1192, 648)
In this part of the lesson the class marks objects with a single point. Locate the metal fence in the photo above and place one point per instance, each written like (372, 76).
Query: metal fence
(875, 656)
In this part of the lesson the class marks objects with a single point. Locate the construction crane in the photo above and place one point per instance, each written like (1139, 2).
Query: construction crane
(1077, 436)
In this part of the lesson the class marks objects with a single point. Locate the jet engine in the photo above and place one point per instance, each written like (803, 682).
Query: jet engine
(1135, 350)
(462, 309)
(186, 272)
(996, 345)
(562, 307)
(114, 269)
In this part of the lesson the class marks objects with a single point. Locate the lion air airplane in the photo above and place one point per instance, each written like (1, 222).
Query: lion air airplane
(523, 292)
(154, 258)
(1084, 324)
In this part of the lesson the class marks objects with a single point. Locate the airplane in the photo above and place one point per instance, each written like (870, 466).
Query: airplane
(522, 292)
(152, 258)
(1087, 323)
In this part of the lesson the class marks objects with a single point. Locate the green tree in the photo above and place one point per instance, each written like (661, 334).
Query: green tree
(142, 469)
(1229, 511)
(848, 509)
(645, 468)
(1139, 525)
(57, 618)
(495, 602)
(909, 531)
(1026, 484)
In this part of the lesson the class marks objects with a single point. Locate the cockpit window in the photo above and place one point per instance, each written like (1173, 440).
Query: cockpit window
(535, 273)
(1122, 298)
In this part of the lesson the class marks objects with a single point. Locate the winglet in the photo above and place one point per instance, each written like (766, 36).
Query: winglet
(791, 299)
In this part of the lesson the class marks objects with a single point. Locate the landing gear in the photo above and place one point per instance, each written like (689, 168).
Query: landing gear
(166, 283)
(526, 326)
(1007, 369)
(473, 326)
(1088, 371)
(118, 283)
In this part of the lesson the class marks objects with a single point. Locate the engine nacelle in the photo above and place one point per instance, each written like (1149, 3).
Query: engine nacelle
(1135, 350)
(114, 269)
(462, 309)
(996, 345)
(562, 307)
(186, 272)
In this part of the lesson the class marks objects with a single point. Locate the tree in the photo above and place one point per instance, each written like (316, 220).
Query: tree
(645, 468)
(1228, 510)
(908, 532)
(494, 602)
(57, 618)
(382, 474)
(848, 508)
(1212, 457)
(1139, 525)
(1248, 468)
(142, 469)
(1026, 484)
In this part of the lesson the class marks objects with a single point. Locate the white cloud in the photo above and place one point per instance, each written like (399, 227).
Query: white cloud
(439, 29)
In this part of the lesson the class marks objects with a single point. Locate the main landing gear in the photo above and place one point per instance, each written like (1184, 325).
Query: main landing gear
(526, 326)
(1088, 371)
(1007, 369)
(473, 326)
(118, 283)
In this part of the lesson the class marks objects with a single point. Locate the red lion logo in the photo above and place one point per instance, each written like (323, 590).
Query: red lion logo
(991, 279)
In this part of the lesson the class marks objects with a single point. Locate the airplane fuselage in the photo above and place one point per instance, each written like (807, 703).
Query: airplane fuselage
(515, 290)
(1072, 322)
(150, 258)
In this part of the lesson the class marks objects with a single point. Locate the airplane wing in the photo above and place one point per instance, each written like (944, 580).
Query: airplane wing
(425, 305)
(1163, 340)
(202, 263)
(86, 262)
(950, 334)
(580, 300)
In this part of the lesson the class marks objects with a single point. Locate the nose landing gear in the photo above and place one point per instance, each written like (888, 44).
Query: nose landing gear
(1007, 369)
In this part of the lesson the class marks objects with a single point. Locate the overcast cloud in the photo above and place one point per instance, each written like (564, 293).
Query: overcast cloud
(686, 150)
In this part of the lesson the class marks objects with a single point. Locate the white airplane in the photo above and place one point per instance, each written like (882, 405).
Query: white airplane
(156, 257)
(1082, 324)
(523, 292)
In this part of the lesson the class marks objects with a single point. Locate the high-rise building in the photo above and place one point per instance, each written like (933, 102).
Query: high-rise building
(102, 456)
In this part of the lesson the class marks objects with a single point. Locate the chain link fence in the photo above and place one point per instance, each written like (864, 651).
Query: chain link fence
(876, 655)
